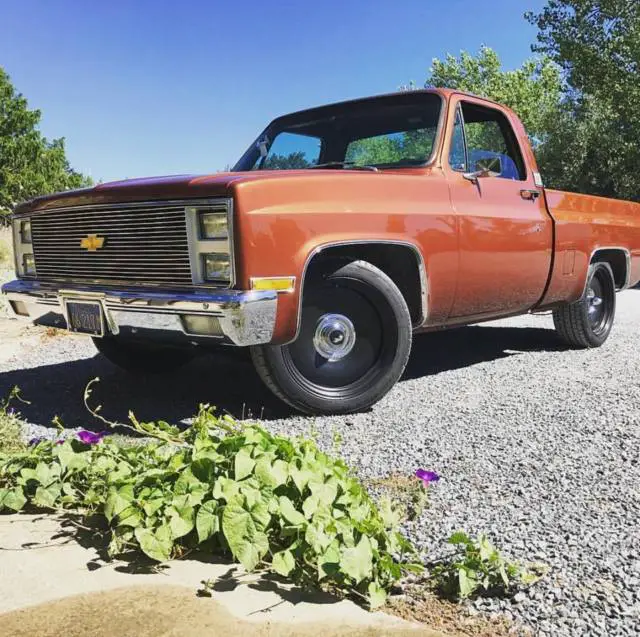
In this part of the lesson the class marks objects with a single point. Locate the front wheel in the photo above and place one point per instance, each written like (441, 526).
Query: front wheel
(352, 347)
(138, 358)
(588, 321)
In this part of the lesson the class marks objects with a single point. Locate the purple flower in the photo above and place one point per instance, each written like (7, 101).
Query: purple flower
(427, 476)
(91, 438)
(35, 441)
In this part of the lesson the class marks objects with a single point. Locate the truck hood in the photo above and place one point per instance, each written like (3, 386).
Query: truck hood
(144, 189)
(181, 187)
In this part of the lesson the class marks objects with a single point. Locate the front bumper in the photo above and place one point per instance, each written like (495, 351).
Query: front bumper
(241, 318)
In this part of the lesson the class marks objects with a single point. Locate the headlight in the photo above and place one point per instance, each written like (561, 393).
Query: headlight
(28, 264)
(210, 235)
(25, 231)
(213, 225)
(217, 267)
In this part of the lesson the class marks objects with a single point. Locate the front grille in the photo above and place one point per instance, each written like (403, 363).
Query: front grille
(143, 245)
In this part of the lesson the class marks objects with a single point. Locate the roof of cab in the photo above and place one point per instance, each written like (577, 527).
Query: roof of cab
(445, 93)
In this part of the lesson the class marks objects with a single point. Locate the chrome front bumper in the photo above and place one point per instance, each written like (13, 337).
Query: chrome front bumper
(244, 318)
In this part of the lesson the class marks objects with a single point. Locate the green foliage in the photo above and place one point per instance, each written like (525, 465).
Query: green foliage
(477, 566)
(6, 246)
(594, 145)
(10, 438)
(410, 147)
(291, 161)
(266, 500)
(533, 91)
(30, 165)
(410, 495)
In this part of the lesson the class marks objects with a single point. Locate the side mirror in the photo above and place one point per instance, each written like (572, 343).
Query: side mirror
(485, 167)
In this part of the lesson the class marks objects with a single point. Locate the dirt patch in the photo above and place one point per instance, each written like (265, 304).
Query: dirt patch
(426, 608)
(155, 611)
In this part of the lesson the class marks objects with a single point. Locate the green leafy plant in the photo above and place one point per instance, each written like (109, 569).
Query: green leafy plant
(477, 567)
(268, 501)
(10, 438)
(410, 494)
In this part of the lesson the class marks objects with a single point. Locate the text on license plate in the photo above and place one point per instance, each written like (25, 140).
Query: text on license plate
(85, 317)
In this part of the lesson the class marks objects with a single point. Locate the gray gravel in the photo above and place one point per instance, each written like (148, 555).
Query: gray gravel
(536, 445)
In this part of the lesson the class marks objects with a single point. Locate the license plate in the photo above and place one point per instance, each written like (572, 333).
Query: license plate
(85, 317)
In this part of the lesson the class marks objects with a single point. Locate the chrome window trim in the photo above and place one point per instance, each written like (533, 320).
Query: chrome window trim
(459, 114)
(422, 272)
(495, 108)
(627, 255)
(438, 138)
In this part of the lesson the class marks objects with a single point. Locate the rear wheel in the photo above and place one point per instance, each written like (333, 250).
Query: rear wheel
(139, 358)
(352, 347)
(588, 321)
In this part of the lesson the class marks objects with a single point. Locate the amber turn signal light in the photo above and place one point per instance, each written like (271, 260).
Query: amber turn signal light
(275, 283)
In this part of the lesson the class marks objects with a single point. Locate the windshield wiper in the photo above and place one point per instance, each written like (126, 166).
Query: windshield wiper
(344, 164)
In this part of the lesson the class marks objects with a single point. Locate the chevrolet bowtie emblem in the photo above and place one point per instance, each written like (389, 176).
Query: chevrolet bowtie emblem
(92, 242)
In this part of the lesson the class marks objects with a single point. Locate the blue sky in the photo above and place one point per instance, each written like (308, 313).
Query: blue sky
(151, 87)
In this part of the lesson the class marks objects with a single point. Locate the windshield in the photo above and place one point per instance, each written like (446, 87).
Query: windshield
(382, 132)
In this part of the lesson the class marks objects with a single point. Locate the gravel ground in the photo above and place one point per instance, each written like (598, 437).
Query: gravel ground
(536, 445)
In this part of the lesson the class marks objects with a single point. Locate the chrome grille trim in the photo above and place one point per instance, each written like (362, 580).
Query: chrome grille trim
(147, 243)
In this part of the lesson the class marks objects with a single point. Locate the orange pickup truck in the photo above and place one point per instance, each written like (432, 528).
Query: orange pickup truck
(342, 231)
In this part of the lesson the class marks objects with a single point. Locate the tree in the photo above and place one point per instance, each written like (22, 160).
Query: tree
(407, 146)
(596, 43)
(30, 165)
(291, 161)
(534, 92)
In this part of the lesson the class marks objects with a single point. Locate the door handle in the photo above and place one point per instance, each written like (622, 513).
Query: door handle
(530, 195)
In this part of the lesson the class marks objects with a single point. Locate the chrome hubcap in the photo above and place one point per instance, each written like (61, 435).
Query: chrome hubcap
(335, 337)
(594, 302)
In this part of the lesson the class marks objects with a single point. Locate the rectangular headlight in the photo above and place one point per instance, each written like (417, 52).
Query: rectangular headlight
(28, 264)
(25, 231)
(213, 225)
(216, 267)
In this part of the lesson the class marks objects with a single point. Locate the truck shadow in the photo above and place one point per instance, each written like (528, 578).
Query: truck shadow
(230, 383)
(446, 350)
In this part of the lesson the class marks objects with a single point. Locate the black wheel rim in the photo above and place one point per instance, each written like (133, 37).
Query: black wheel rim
(349, 302)
(599, 303)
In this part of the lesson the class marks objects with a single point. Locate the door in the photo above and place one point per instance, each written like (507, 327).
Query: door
(505, 231)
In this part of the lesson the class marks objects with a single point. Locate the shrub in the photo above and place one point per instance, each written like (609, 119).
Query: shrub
(477, 566)
(267, 500)
(10, 438)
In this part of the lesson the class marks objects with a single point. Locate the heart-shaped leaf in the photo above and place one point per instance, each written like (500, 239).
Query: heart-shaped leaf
(207, 520)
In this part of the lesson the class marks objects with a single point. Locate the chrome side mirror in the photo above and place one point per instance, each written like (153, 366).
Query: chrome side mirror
(485, 167)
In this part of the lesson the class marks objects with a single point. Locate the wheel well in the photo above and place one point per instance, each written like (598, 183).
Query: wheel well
(401, 263)
(618, 261)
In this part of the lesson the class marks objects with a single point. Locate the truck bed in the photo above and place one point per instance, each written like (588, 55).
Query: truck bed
(584, 224)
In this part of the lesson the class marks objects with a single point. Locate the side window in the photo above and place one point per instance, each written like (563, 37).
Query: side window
(488, 135)
(290, 150)
(458, 152)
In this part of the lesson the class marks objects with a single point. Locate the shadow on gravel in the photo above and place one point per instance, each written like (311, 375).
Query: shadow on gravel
(452, 349)
(229, 382)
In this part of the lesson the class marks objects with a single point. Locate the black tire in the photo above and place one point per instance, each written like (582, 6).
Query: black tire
(377, 327)
(588, 322)
(138, 358)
